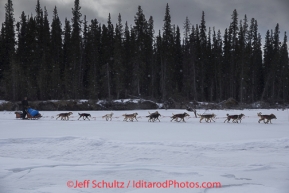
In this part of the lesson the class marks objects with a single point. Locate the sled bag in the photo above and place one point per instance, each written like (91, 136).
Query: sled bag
(32, 112)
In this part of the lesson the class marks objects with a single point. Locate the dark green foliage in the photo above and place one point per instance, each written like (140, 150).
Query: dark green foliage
(76, 72)
(86, 59)
(57, 67)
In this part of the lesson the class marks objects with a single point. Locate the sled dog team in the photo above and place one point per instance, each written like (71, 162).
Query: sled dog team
(152, 117)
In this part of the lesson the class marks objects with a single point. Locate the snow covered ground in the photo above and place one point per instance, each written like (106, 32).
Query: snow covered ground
(48, 155)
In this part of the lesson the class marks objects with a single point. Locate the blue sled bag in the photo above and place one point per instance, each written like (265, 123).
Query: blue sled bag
(32, 112)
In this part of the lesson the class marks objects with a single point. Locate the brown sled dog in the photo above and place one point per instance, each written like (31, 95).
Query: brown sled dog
(207, 117)
(182, 116)
(131, 117)
(235, 118)
(264, 117)
(64, 116)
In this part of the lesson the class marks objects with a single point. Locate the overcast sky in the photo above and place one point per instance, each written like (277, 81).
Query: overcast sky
(217, 12)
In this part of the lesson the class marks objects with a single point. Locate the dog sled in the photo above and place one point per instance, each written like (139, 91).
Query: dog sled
(32, 114)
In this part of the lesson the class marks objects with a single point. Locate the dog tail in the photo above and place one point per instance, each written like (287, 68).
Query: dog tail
(79, 114)
(228, 115)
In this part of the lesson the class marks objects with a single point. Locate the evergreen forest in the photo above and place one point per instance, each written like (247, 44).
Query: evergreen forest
(80, 59)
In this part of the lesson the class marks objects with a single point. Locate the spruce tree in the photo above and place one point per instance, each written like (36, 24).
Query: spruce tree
(151, 66)
(275, 65)
(186, 59)
(38, 66)
(187, 29)
(57, 71)
(107, 52)
(284, 63)
(76, 46)
(256, 70)
(211, 87)
(233, 40)
(22, 52)
(67, 61)
(178, 59)
(9, 65)
(193, 70)
(166, 56)
(226, 65)
(45, 70)
(86, 48)
(217, 63)
(267, 71)
(139, 61)
(2, 49)
(118, 59)
(203, 62)
(94, 66)
(127, 59)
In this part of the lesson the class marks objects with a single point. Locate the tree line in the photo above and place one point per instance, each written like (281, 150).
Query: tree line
(83, 59)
